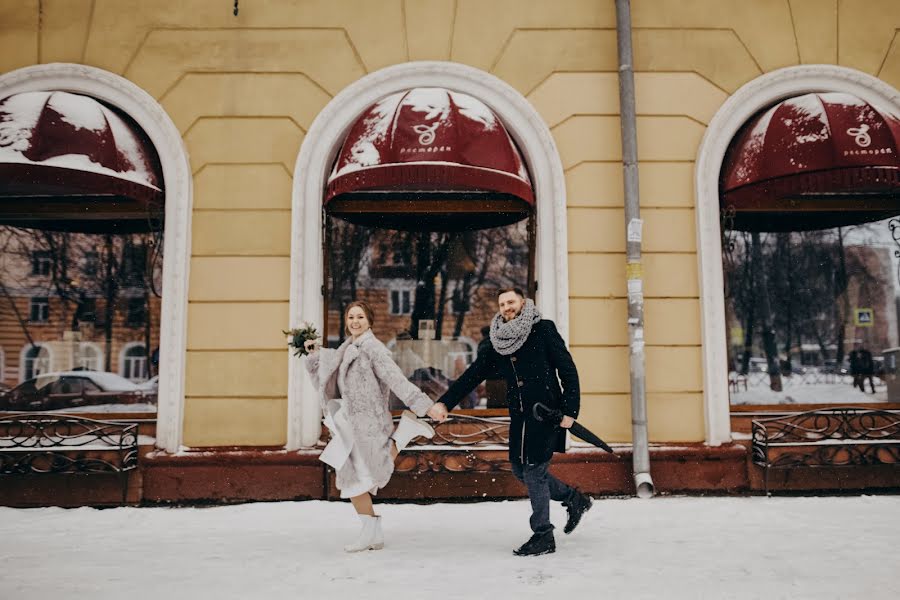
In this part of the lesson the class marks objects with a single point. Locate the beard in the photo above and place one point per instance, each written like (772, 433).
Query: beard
(511, 315)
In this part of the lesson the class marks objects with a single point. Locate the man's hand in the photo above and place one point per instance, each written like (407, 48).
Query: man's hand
(566, 422)
(438, 412)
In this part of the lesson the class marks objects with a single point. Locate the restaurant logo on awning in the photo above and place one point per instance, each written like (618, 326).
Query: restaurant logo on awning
(860, 135)
(426, 133)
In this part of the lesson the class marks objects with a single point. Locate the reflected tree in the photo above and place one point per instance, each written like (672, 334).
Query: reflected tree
(77, 270)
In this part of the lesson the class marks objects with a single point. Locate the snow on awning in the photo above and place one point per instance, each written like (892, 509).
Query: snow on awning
(68, 162)
(811, 162)
(429, 158)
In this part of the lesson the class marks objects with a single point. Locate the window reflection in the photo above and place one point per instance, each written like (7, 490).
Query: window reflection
(78, 313)
(812, 315)
(446, 281)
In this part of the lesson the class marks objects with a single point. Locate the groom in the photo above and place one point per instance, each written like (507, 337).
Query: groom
(530, 355)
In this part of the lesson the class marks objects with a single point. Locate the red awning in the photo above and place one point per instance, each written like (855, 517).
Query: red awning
(812, 162)
(429, 158)
(68, 162)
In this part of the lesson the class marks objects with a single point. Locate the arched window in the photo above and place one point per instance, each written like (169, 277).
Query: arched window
(89, 357)
(123, 96)
(756, 98)
(134, 362)
(36, 359)
(82, 228)
(322, 145)
(809, 189)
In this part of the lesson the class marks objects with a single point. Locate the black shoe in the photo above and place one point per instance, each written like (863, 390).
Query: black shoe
(576, 506)
(540, 543)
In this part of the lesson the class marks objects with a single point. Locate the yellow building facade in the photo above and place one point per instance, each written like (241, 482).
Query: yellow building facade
(244, 91)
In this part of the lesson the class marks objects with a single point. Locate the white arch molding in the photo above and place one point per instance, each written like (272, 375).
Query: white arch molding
(150, 116)
(23, 357)
(317, 153)
(94, 347)
(737, 110)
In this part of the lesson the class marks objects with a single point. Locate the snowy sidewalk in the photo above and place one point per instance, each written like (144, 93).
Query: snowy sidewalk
(691, 548)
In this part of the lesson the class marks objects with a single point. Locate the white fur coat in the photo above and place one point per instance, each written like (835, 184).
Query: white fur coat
(362, 373)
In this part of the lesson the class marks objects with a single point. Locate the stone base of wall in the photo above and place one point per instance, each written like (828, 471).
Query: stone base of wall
(235, 475)
(219, 476)
(29, 491)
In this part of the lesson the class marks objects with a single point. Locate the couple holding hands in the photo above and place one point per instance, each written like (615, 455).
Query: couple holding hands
(355, 381)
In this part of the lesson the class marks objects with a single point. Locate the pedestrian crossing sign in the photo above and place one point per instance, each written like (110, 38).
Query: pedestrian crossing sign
(863, 317)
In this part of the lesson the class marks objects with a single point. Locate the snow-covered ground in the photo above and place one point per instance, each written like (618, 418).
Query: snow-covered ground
(814, 393)
(668, 547)
(806, 390)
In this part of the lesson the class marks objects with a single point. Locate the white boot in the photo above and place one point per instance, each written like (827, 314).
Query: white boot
(410, 427)
(370, 537)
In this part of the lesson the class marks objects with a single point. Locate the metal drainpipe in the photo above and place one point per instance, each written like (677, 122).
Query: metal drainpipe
(640, 451)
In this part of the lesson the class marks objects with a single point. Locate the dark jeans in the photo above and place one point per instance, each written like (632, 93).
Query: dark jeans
(542, 487)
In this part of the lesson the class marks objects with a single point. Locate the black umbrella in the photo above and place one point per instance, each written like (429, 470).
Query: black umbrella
(542, 413)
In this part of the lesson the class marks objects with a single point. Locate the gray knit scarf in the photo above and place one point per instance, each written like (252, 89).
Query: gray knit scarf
(508, 336)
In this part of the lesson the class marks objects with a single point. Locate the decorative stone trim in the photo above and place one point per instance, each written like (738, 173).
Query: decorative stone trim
(146, 111)
(317, 153)
(737, 110)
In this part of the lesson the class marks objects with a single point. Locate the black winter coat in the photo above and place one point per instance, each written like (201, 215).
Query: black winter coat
(533, 374)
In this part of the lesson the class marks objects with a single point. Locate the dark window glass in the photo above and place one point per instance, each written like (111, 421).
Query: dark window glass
(39, 311)
(137, 312)
(91, 263)
(41, 263)
(134, 263)
(432, 293)
(87, 310)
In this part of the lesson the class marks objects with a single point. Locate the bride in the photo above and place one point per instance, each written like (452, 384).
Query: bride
(354, 383)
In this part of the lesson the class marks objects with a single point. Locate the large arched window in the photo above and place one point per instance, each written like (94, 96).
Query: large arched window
(80, 228)
(124, 96)
(753, 101)
(810, 187)
(322, 145)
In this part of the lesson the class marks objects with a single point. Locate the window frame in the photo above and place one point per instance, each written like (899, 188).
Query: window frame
(404, 301)
(41, 260)
(42, 306)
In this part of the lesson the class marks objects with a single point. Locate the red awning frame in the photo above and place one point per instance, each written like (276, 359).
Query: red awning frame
(811, 162)
(429, 158)
(71, 163)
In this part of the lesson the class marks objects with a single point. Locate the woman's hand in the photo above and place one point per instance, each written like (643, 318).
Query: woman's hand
(312, 346)
(438, 412)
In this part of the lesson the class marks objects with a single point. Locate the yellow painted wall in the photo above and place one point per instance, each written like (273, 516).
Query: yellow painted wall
(244, 90)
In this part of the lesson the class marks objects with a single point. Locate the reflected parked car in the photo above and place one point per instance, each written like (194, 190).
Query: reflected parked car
(151, 385)
(70, 389)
